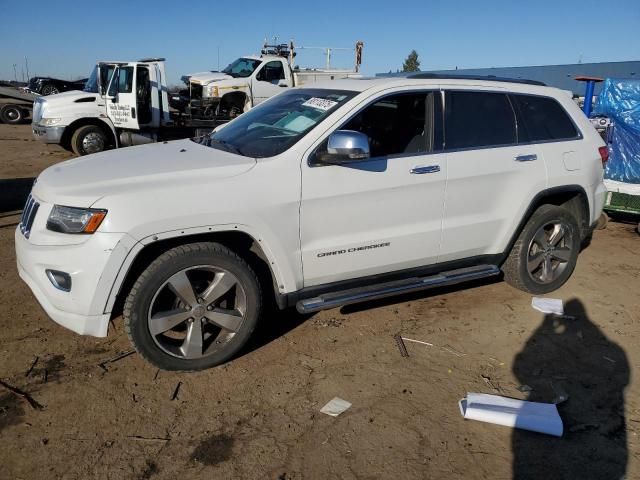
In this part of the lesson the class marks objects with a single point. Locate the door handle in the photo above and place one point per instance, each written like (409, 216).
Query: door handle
(426, 169)
(526, 158)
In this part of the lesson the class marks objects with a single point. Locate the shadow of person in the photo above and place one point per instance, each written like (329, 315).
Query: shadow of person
(571, 357)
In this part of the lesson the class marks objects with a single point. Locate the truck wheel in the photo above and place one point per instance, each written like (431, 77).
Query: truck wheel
(193, 308)
(89, 139)
(49, 89)
(12, 114)
(545, 253)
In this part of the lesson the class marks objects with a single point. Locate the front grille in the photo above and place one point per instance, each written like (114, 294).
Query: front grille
(28, 216)
(196, 91)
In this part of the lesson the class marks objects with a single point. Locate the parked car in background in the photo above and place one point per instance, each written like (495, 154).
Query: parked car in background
(319, 197)
(50, 86)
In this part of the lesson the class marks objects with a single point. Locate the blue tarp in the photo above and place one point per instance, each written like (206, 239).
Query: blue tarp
(619, 100)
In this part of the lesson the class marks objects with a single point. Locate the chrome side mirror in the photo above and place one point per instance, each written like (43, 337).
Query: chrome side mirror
(346, 146)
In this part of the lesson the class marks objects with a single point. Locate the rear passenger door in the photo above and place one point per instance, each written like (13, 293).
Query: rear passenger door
(490, 177)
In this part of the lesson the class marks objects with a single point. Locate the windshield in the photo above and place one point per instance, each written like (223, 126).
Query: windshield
(275, 126)
(93, 85)
(242, 67)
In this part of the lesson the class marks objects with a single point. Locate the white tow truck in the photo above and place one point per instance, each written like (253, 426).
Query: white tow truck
(128, 103)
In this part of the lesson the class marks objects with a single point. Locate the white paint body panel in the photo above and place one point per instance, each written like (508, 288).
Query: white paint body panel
(472, 206)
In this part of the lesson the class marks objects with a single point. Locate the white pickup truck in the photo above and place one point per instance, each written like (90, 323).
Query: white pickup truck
(127, 103)
(318, 197)
(250, 80)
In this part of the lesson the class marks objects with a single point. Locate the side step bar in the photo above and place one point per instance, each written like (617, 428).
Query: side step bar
(388, 289)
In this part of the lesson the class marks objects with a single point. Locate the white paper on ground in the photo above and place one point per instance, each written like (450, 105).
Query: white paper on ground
(335, 407)
(534, 416)
(548, 305)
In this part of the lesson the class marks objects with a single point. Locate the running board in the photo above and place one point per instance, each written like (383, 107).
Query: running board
(398, 287)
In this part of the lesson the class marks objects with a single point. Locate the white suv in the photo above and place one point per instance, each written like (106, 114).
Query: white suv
(324, 196)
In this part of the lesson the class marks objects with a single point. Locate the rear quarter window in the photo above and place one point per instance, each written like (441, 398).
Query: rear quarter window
(542, 119)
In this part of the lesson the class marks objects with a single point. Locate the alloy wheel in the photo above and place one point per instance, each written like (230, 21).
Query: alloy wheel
(549, 252)
(197, 311)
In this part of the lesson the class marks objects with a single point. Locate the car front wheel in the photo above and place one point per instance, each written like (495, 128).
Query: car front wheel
(545, 253)
(193, 308)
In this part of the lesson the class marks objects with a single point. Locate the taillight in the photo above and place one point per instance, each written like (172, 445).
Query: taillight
(604, 154)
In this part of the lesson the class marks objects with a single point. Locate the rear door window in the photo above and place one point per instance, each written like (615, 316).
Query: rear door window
(478, 119)
(542, 119)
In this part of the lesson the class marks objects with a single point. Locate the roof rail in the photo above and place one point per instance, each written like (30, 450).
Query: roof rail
(152, 60)
(490, 78)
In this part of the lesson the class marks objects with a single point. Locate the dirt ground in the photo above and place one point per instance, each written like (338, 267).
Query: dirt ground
(257, 417)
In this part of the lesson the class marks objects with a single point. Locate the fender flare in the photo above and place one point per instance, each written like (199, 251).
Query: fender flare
(281, 282)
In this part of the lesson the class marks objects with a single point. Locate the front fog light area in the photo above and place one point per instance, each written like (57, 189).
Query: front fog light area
(60, 280)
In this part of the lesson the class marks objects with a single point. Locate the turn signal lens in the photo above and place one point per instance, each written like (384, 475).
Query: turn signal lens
(94, 222)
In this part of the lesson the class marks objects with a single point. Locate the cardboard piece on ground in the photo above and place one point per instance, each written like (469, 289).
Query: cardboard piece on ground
(335, 407)
(548, 305)
(534, 416)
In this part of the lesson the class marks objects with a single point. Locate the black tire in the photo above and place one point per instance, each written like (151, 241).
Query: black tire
(161, 349)
(89, 139)
(12, 114)
(49, 89)
(519, 269)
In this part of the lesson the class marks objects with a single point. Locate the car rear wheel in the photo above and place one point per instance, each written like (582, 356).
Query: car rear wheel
(193, 308)
(49, 89)
(89, 139)
(545, 253)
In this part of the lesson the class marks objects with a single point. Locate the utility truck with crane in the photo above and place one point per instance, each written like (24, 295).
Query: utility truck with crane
(128, 103)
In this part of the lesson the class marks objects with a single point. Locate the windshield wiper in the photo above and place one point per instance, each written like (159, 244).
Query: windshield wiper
(226, 146)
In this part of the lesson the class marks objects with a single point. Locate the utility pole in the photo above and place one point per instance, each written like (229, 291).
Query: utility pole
(15, 73)
(218, 57)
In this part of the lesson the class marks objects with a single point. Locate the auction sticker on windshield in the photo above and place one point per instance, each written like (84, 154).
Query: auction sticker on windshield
(320, 103)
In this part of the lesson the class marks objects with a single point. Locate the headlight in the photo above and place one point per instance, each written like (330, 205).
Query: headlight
(48, 122)
(75, 220)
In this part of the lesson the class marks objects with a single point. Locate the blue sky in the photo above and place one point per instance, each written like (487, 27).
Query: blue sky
(65, 38)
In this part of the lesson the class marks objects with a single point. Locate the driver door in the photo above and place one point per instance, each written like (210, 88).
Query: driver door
(385, 213)
(268, 81)
(121, 97)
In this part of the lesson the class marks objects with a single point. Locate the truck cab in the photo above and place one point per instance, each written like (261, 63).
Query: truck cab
(243, 84)
(250, 80)
(120, 100)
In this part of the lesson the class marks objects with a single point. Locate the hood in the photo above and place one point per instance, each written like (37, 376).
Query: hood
(66, 97)
(157, 168)
(204, 78)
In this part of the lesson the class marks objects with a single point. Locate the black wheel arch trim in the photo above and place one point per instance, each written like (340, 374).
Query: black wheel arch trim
(538, 200)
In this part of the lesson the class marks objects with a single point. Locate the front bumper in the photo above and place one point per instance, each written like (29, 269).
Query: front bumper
(92, 265)
(47, 134)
